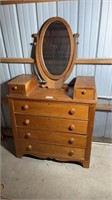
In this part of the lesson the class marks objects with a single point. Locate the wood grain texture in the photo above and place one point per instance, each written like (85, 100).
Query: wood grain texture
(46, 128)
(71, 111)
(89, 136)
(78, 61)
(93, 61)
(87, 82)
(99, 107)
(48, 123)
(22, 84)
(51, 95)
(44, 150)
(17, 60)
(84, 88)
(59, 138)
(103, 107)
(25, 1)
(84, 94)
(54, 81)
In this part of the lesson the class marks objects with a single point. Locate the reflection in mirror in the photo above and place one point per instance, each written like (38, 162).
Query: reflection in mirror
(56, 48)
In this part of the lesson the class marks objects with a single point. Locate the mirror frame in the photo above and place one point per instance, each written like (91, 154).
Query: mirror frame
(51, 80)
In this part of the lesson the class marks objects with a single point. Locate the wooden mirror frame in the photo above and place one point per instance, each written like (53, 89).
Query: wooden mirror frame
(52, 81)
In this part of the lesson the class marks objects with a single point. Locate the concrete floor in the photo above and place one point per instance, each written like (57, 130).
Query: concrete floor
(30, 178)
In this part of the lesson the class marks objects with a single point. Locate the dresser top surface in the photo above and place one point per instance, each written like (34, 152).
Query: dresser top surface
(88, 82)
(44, 94)
(37, 93)
(22, 79)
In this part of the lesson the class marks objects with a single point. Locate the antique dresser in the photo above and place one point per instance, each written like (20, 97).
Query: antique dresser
(52, 119)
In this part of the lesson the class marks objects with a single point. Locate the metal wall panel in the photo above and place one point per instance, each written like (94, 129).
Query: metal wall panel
(104, 50)
(69, 11)
(108, 129)
(4, 77)
(88, 28)
(100, 120)
(90, 18)
(11, 37)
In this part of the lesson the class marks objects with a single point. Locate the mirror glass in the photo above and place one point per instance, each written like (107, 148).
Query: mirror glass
(56, 48)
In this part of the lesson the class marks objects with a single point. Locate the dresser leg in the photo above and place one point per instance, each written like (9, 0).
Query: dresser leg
(18, 154)
(86, 164)
(18, 150)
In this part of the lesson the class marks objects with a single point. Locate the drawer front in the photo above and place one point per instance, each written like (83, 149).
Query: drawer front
(53, 124)
(16, 89)
(84, 94)
(22, 84)
(50, 150)
(75, 111)
(67, 139)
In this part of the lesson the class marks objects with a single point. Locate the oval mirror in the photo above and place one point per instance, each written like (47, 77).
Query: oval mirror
(55, 52)
(56, 48)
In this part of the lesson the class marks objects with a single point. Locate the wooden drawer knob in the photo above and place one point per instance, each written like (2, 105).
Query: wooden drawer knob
(71, 140)
(71, 153)
(72, 111)
(27, 121)
(28, 135)
(25, 107)
(29, 147)
(83, 92)
(72, 126)
(15, 87)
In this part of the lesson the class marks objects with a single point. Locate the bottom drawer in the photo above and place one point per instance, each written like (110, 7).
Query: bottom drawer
(49, 150)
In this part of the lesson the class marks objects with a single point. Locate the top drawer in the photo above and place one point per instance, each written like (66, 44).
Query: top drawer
(64, 110)
(85, 88)
(22, 85)
(84, 94)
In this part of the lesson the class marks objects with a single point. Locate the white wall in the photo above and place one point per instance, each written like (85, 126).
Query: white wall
(92, 19)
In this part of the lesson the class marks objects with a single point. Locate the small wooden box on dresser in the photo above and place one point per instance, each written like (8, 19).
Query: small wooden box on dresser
(51, 123)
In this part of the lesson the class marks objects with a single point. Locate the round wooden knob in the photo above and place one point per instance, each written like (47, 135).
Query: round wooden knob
(72, 126)
(27, 121)
(83, 92)
(25, 107)
(71, 140)
(72, 111)
(71, 153)
(27, 135)
(29, 147)
(15, 87)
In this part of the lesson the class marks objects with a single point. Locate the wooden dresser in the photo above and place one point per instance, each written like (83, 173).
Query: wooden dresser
(53, 123)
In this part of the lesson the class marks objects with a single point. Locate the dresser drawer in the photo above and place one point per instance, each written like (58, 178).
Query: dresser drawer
(85, 94)
(50, 150)
(22, 85)
(84, 88)
(75, 111)
(67, 139)
(52, 124)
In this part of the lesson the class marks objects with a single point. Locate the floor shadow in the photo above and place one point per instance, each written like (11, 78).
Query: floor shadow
(7, 143)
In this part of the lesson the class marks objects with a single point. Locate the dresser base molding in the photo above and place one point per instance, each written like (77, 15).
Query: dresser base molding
(62, 156)
(84, 163)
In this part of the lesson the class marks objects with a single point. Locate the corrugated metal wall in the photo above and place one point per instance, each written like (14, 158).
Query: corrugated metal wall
(92, 19)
